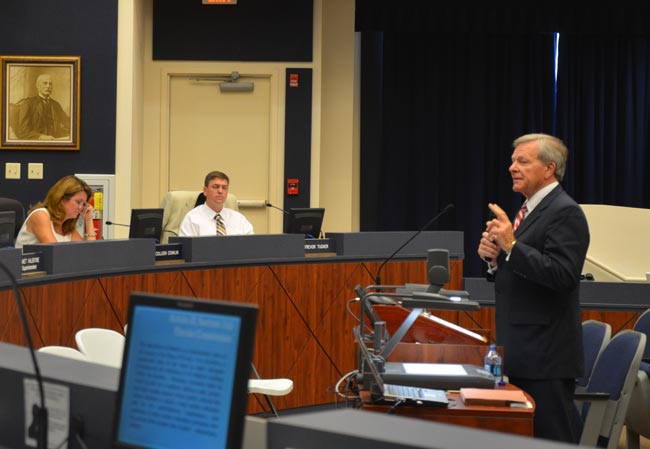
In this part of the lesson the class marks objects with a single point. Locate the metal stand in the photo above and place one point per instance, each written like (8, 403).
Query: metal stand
(266, 396)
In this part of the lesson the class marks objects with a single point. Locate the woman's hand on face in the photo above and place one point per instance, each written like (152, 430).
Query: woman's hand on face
(88, 212)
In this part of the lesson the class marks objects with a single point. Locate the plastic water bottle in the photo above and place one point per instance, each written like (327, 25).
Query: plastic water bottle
(492, 363)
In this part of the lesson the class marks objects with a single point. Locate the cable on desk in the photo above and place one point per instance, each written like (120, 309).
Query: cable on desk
(346, 378)
(392, 409)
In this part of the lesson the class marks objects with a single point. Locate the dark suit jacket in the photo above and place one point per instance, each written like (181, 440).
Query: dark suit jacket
(32, 121)
(538, 318)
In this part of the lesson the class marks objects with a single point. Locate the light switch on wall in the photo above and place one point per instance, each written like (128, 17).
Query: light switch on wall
(12, 170)
(35, 170)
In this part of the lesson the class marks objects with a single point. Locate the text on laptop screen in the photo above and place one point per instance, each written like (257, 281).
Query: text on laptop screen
(181, 383)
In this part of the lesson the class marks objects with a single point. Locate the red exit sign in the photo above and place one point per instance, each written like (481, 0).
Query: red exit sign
(219, 2)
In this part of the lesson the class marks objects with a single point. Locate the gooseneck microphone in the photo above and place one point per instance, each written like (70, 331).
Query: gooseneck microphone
(267, 204)
(39, 413)
(429, 223)
(110, 223)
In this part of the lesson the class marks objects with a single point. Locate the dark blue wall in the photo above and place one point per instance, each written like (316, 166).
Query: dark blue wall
(251, 30)
(87, 29)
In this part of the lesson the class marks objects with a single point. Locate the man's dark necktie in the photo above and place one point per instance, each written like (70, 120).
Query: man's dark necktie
(49, 118)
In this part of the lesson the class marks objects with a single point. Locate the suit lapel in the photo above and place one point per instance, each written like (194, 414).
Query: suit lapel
(538, 211)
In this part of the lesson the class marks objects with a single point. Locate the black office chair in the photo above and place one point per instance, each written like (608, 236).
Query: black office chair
(200, 199)
(10, 204)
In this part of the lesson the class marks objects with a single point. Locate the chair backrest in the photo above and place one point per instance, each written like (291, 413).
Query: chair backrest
(103, 346)
(637, 421)
(642, 324)
(614, 373)
(10, 204)
(177, 203)
(64, 351)
(595, 335)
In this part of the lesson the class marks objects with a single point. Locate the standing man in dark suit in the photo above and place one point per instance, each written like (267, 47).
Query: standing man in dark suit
(536, 263)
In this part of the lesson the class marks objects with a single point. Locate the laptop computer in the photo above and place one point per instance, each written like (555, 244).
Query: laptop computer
(185, 371)
(399, 393)
(445, 376)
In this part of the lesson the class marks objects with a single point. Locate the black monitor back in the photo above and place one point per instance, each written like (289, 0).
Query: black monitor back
(146, 223)
(305, 220)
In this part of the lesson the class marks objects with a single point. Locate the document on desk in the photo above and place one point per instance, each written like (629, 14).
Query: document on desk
(494, 397)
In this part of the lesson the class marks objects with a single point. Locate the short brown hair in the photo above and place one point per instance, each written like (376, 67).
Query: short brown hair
(215, 174)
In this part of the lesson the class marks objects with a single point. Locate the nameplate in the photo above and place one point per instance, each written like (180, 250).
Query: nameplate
(320, 247)
(32, 263)
(169, 251)
(100, 255)
(241, 247)
(10, 258)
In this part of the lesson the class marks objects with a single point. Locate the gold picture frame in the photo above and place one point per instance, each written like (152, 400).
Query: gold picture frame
(40, 102)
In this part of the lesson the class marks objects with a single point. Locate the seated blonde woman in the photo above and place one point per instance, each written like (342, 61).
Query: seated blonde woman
(54, 219)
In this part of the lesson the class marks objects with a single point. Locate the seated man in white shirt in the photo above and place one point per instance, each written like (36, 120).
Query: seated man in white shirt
(212, 218)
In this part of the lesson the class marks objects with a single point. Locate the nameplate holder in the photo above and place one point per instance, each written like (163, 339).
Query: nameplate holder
(320, 247)
(166, 252)
(95, 256)
(230, 248)
(32, 264)
(10, 258)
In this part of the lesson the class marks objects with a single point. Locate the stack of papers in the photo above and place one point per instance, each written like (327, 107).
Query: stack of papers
(494, 397)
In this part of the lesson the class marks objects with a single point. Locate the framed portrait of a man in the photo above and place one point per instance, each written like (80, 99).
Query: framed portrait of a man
(40, 102)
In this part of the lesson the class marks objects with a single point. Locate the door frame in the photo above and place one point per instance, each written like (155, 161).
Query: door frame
(276, 127)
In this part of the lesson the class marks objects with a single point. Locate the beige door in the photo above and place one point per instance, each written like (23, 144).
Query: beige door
(225, 131)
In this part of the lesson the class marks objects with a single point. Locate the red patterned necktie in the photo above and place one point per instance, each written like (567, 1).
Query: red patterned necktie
(520, 216)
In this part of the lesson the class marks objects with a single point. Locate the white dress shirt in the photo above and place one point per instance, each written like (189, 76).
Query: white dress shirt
(200, 221)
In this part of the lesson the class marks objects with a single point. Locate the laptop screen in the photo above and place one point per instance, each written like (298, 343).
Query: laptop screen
(185, 371)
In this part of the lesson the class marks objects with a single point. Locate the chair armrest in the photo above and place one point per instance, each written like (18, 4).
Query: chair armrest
(597, 407)
(590, 397)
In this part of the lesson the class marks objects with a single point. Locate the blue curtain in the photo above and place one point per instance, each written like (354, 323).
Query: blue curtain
(440, 108)
(603, 113)
(439, 114)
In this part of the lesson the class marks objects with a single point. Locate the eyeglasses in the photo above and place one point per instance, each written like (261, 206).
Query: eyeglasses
(81, 203)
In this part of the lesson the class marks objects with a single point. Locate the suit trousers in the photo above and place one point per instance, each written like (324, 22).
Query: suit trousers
(556, 415)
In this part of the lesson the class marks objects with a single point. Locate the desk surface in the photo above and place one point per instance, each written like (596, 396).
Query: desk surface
(515, 420)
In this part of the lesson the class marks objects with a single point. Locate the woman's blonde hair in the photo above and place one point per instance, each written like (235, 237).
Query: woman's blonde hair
(65, 188)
